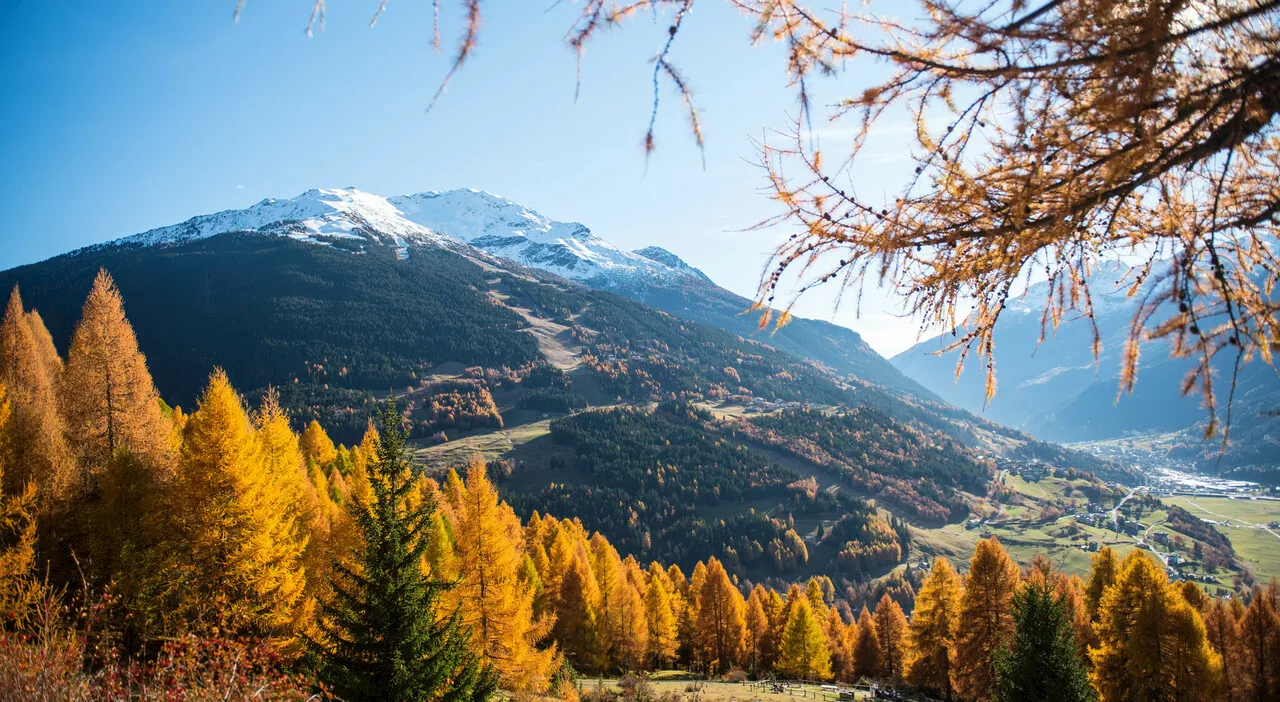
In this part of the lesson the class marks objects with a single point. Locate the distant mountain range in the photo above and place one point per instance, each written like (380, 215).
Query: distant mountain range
(1058, 392)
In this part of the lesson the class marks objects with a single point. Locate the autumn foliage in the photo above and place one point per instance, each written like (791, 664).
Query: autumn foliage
(208, 550)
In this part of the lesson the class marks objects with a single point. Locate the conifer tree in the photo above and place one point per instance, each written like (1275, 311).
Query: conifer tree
(838, 644)
(1070, 591)
(757, 622)
(720, 623)
(19, 588)
(1152, 644)
(45, 348)
(1103, 568)
(283, 462)
(931, 633)
(817, 599)
(774, 609)
(630, 627)
(690, 646)
(606, 565)
(803, 651)
(661, 614)
(866, 646)
(891, 628)
(440, 554)
(316, 445)
(38, 447)
(1224, 638)
(494, 602)
(286, 472)
(1042, 661)
(577, 601)
(1259, 646)
(679, 583)
(384, 636)
(109, 399)
(237, 551)
(986, 619)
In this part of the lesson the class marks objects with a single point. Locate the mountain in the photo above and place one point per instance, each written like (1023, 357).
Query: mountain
(468, 219)
(1056, 391)
(673, 436)
(666, 258)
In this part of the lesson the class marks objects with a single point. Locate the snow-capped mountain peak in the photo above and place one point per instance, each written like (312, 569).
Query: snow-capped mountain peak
(473, 217)
(510, 230)
(316, 216)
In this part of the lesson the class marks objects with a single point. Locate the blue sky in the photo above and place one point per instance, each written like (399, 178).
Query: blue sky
(120, 117)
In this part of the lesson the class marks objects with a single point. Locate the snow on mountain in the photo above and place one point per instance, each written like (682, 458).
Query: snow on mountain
(666, 258)
(1109, 283)
(316, 216)
(488, 222)
(510, 230)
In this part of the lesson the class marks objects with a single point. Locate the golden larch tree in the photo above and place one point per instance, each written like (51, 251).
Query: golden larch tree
(629, 625)
(39, 452)
(931, 633)
(774, 609)
(1070, 590)
(286, 469)
(817, 599)
(1221, 629)
(691, 650)
(891, 628)
(494, 601)
(109, 398)
(316, 445)
(607, 567)
(578, 602)
(986, 620)
(838, 643)
(1259, 646)
(866, 645)
(237, 554)
(662, 620)
(757, 621)
(45, 347)
(803, 651)
(1152, 644)
(1103, 567)
(720, 623)
(19, 587)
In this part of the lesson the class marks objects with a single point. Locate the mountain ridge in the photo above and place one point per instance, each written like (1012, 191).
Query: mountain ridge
(469, 220)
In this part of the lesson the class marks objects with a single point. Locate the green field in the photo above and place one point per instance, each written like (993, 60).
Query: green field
(488, 446)
(1020, 525)
(1257, 545)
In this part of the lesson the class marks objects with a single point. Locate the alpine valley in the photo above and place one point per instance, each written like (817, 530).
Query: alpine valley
(1056, 389)
(621, 387)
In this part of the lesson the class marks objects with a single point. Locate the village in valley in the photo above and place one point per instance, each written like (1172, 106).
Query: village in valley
(1219, 532)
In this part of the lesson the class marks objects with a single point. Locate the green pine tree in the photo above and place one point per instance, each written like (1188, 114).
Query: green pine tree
(1043, 660)
(383, 638)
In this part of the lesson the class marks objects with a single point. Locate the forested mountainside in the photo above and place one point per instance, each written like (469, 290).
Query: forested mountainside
(474, 344)
(330, 328)
(474, 221)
